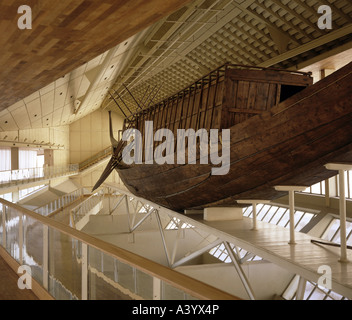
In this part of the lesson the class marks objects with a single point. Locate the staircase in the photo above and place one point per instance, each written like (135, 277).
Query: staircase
(96, 159)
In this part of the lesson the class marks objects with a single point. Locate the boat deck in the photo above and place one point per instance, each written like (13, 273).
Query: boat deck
(271, 243)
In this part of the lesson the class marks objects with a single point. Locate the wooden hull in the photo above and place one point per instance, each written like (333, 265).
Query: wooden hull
(287, 145)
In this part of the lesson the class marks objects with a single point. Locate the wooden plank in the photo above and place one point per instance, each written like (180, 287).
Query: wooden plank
(262, 96)
(64, 36)
(269, 76)
(271, 101)
(226, 103)
(244, 111)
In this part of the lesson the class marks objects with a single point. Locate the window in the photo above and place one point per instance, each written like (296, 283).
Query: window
(332, 232)
(313, 291)
(175, 223)
(27, 159)
(5, 164)
(5, 156)
(24, 192)
(279, 216)
(7, 196)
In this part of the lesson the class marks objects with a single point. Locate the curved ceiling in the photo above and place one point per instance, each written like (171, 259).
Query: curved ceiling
(170, 54)
(204, 35)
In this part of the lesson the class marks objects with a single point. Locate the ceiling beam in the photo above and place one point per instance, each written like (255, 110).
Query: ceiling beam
(331, 36)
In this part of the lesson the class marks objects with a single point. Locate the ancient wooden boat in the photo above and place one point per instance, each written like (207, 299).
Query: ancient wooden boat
(283, 130)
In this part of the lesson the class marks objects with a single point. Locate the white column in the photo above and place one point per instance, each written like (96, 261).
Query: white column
(84, 271)
(341, 168)
(20, 238)
(156, 288)
(254, 203)
(291, 191)
(45, 257)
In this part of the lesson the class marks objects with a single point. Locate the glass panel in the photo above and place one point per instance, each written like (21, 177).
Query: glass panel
(285, 219)
(333, 227)
(12, 227)
(65, 269)
(144, 285)
(168, 292)
(246, 211)
(316, 188)
(126, 276)
(110, 279)
(33, 247)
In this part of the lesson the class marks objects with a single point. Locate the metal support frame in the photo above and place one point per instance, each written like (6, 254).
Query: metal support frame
(142, 220)
(341, 168)
(118, 203)
(235, 258)
(196, 253)
(239, 270)
(162, 237)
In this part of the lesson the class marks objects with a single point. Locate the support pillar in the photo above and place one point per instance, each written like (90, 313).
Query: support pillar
(341, 168)
(291, 192)
(15, 162)
(254, 205)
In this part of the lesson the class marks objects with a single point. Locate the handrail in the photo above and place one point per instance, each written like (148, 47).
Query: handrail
(84, 207)
(96, 157)
(56, 204)
(20, 176)
(178, 280)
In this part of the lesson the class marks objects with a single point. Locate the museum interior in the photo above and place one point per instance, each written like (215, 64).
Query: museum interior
(82, 81)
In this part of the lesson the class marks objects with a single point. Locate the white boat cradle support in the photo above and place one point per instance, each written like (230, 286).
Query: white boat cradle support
(254, 204)
(239, 270)
(291, 193)
(160, 274)
(341, 168)
(301, 259)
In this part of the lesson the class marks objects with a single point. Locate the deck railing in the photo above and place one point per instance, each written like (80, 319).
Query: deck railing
(62, 259)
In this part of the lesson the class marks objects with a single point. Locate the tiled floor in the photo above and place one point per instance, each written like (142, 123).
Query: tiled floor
(8, 285)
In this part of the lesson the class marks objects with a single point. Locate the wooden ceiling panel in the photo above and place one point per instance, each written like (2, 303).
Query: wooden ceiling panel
(66, 34)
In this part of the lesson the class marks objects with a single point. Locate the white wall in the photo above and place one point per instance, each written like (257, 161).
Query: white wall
(57, 135)
(90, 135)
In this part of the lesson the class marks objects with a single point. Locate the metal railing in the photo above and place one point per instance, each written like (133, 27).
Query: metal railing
(22, 176)
(61, 202)
(59, 256)
(95, 158)
(86, 207)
